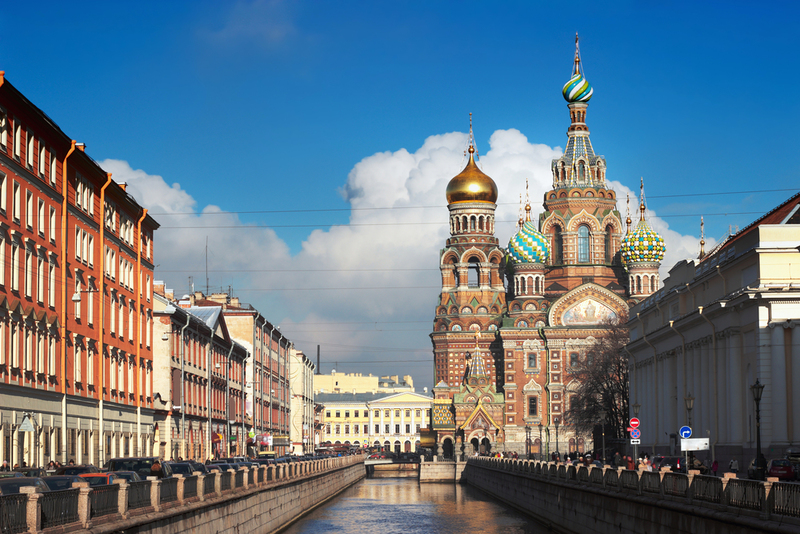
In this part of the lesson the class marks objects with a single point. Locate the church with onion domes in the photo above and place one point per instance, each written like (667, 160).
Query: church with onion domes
(512, 322)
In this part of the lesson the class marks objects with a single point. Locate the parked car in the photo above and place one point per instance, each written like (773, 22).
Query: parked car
(677, 464)
(219, 467)
(197, 466)
(31, 471)
(76, 470)
(99, 479)
(11, 474)
(780, 468)
(10, 486)
(182, 468)
(61, 482)
(130, 476)
(140, 465)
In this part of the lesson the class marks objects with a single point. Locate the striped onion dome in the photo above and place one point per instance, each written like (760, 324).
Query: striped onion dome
(577, 89)
(529, 245)
(643, 245)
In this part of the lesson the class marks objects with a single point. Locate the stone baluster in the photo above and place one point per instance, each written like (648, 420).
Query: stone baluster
(33, 510)
(726, 477)
(84, 505)
(769, 497)
(201, 484)
(155, 493)
(218, 482)
(122, 497)
(181, 481)
(691, 473)
(246, 478)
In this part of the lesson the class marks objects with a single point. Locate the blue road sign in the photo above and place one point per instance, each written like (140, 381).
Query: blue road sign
(685, 432)
(636, 433)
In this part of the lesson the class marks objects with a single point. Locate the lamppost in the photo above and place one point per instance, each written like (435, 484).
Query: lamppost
(540, 441)
(527, 441)
(603, 430)
(758, 389)
(636, 408)
(689, 400)
(556, 422)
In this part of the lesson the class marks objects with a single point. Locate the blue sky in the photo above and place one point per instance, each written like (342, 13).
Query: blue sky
(303, 115)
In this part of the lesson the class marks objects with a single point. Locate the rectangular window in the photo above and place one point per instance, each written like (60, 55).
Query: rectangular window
(3, 129)
(28, 273)
(533, 406)
(417, 413)
(16, 200)
(77, 363)
(29, 209)
(347, 414)
(17, 138)
(77, 243)
(3, 192)
(77, 302)
(90, 302)
(377, 429)
(377, 414)
(41, 222)
(112, 315)
(356, 413)
(40, 280)
(52, 224)
(53, 167)
(29, 151)
(42, 159)
(2, 262)
(408, 429)
(91, 251)
(338, 414)
(386, 429)
(51, 285)
(396, 429)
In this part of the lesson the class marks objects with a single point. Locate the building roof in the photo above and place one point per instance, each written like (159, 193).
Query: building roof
(329, 398)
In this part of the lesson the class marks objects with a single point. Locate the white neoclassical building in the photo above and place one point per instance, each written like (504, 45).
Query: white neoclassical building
(720, 323)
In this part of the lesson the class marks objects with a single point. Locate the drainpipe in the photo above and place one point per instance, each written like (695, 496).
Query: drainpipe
(138, 282)
(546, 389)
(724, 282)
(683, 354)
(62, 375)
(655, 367)
(227, 402)
(101, 382)
(714, 376)
(183, 386)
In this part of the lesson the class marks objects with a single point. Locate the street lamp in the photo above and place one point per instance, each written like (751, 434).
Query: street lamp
(603, 430)
(540, 441)
(689, 400)
(527, 441)
(558, 454)
(758, 389)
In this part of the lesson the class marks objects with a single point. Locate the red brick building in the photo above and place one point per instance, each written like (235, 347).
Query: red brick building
(76, 272)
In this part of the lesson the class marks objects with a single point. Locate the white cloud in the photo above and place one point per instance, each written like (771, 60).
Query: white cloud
(376, 283)
(263, 23)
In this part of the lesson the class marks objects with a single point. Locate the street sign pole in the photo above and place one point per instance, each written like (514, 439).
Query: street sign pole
(634, 423)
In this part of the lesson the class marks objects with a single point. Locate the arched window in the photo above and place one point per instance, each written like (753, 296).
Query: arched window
(581, 172)
(583, 244)
(558, 246)
(609, 245)
(473, 273)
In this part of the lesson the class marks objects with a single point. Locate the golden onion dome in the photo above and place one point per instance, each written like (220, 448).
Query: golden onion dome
(471, 185)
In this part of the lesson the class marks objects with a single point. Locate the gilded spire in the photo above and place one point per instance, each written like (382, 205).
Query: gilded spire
(521, 221)
(702, 238)
(641, 200)
(527, 202)
(576, 69)
(472, 184)
(628, 214)
(471, 136)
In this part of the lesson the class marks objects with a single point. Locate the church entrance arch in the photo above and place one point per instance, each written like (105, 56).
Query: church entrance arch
(447, 448)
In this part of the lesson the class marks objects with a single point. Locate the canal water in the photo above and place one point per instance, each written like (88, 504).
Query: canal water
(404, 506)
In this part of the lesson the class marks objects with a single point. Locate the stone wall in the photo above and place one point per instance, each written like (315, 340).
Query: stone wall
(606, 500)
(441, 471)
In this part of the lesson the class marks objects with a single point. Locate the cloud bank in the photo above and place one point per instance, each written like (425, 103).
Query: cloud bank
(364, 291)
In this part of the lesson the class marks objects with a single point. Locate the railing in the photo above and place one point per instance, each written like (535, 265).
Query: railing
(786, 499)
(745, 493)
(169, 490)
(707, 489)
(138, 494)
(226, 481)
(13, 514)
(190, 487)
(73, 509)
(209, 485)
(629, 480)
(651, 482)
(675, 484)
(251, 477)
(732, 493)
(59, 507)
(104, 500)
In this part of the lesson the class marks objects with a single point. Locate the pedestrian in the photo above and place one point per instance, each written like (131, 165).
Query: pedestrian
(5, 466)
(156, 471)
(630, 465)
(714, 467)
(734, 466)
(617, 459)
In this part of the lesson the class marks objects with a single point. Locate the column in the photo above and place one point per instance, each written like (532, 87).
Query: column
(794, 351)
(736, 390)
(777, 408)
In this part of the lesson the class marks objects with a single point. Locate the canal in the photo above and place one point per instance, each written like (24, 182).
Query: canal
(403, 506)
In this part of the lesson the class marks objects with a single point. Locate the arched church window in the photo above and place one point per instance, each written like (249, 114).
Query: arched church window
(609, 245)
(581, 172)
(472, 223)
(473, 273)
(558, 246)
(583, 244)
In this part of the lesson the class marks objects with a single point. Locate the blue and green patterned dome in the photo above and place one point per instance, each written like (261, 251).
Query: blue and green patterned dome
(643, 245)
(529, 245)
(577, 89)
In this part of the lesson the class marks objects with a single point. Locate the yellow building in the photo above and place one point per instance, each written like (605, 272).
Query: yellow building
(358, 383)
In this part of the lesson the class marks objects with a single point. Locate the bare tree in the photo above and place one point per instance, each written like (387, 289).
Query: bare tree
(603, 385)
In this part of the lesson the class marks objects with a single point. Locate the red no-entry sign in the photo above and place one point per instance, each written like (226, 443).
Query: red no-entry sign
(634, 422)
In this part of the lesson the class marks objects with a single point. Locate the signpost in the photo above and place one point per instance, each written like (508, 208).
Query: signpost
(635, 435)
(695, 444)
(685, 433)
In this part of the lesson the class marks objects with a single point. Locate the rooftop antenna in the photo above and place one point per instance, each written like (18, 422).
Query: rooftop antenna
(206, 265)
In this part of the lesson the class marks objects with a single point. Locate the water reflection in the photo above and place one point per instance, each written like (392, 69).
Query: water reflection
(403, 506)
